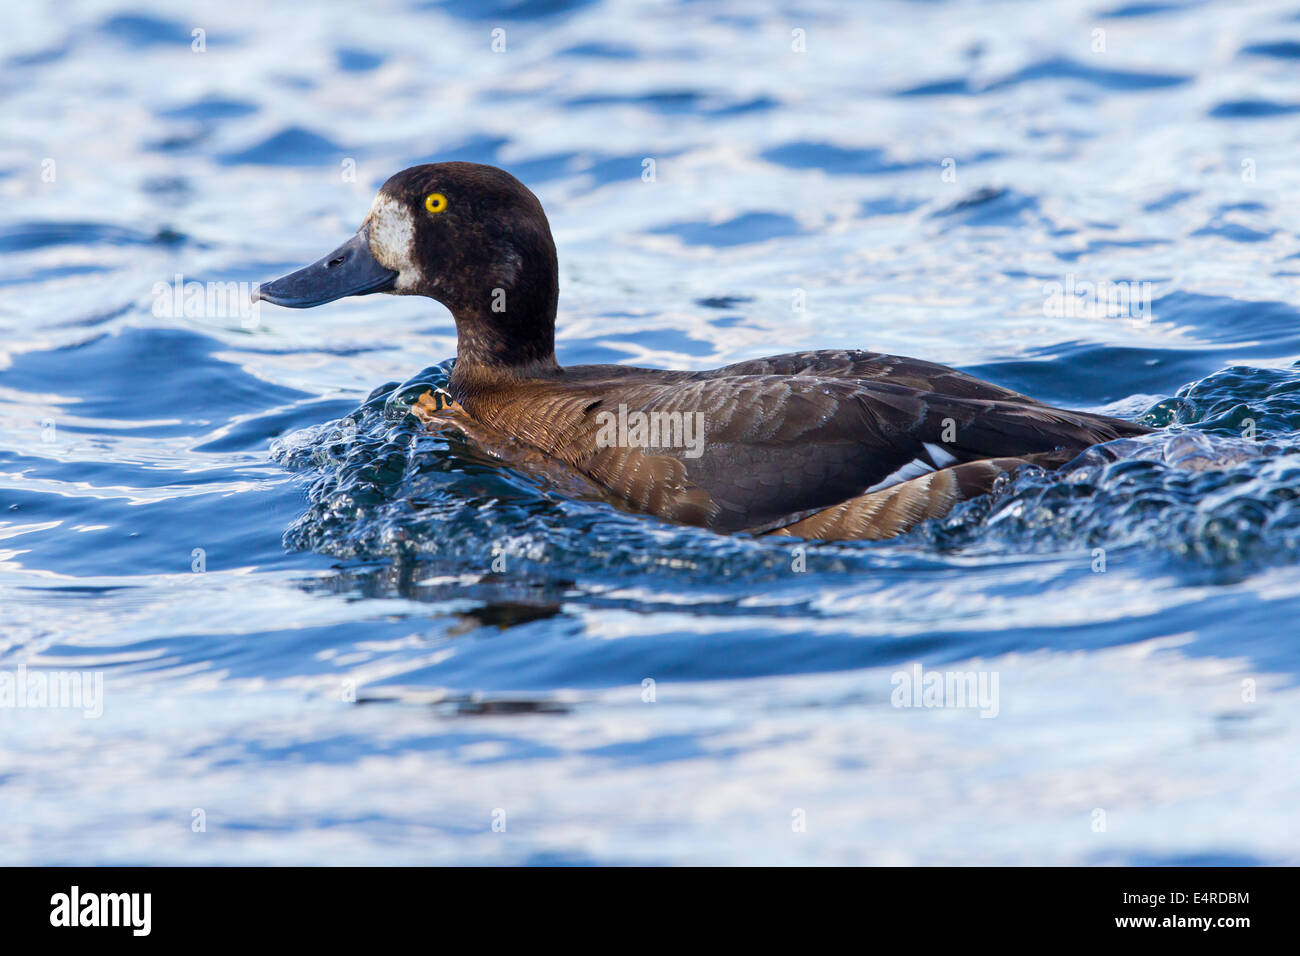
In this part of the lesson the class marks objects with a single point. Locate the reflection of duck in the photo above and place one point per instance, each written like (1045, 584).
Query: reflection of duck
(831, 444)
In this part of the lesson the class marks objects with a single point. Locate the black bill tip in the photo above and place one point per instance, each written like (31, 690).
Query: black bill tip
(350, 269)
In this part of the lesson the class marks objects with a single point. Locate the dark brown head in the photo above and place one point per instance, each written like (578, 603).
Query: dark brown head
(471, 236)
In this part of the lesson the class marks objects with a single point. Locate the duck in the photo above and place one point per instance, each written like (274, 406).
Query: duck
(837, 445)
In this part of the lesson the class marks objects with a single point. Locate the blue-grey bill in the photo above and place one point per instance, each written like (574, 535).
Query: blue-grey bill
(348, 270)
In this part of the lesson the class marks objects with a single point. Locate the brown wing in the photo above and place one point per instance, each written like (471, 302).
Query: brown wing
(784, 437)
(858, 365)
(775, 449)
(847, 364)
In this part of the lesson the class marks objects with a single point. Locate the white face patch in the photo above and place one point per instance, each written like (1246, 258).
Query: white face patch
(392, 241)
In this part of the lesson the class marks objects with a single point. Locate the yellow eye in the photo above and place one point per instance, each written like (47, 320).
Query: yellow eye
(435, 202)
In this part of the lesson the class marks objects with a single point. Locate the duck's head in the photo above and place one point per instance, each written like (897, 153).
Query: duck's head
(470, 236)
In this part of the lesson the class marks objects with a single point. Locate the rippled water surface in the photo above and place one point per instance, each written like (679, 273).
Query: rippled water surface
(326, 636)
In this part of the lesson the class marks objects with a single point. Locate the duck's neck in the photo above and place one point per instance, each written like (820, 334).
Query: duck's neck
(505, 313)
(512, 344)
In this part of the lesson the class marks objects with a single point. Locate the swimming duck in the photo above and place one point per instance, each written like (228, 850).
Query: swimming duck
(835, 445)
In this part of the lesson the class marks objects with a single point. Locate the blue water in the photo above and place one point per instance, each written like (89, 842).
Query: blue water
(326, 637)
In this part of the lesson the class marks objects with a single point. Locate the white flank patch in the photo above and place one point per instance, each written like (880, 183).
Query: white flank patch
(913, 469)
(942, 458)
(392, 240)
(917, 467)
